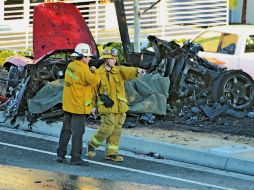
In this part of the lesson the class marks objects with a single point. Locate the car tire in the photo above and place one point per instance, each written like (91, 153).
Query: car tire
(235, 88)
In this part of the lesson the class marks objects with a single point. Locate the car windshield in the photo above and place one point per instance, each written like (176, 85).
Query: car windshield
(250, 44)
(209, 40)
(217, 42)
(58, 58)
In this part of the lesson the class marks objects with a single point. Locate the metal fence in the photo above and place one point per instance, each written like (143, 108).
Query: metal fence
(169, 19)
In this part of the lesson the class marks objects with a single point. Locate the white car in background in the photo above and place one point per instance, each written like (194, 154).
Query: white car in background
(231, 46)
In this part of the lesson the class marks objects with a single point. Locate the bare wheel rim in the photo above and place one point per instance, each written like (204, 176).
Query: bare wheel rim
(238, 91)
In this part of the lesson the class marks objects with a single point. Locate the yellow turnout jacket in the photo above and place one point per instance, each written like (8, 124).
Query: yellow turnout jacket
(79, 82)
(112, 84)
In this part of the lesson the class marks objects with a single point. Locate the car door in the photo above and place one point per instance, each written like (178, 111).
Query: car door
(210, 41)
(246, 61)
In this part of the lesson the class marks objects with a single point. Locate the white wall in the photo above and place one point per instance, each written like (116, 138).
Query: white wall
(181, 19)
(110, 16)
(1, 11)
(250, 18)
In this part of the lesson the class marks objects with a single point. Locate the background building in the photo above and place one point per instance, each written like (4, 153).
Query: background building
(169, 19)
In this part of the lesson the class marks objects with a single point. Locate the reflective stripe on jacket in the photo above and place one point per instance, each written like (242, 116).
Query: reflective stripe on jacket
(112, 84)
(79, 82)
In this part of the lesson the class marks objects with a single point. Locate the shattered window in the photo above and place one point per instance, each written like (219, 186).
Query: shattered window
(250, 44)
(209, 41)
(228, 43)
(58, 58)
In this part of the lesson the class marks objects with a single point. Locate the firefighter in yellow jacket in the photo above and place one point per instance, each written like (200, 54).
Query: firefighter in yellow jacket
(112, 104)
(79, 82)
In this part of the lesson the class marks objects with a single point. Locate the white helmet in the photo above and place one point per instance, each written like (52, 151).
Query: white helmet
(81, 50)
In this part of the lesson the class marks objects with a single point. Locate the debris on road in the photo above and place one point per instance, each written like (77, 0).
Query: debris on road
(154, 155)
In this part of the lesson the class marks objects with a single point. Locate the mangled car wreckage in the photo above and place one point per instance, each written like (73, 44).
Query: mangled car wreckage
(53, 42)
(192, 78)
(197, 79)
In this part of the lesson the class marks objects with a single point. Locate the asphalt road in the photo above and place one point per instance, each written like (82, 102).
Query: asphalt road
(27, 162)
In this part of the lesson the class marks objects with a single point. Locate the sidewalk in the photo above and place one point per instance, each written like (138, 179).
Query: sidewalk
(230, 156)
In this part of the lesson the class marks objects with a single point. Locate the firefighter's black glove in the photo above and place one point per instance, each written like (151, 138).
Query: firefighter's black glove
(95, 62)
(107, 101)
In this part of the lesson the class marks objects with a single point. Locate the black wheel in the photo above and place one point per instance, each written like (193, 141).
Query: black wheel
(216, 94)
(235, 88)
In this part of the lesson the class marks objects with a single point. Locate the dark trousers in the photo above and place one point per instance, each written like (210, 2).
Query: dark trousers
(73, 125)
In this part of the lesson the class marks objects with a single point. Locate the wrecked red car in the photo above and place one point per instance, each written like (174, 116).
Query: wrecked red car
(57, 29)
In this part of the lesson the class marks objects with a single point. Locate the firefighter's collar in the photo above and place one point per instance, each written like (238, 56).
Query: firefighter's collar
(115, 69)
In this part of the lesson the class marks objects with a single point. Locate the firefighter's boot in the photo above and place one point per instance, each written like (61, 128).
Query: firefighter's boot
(115, 158)
(90, 151)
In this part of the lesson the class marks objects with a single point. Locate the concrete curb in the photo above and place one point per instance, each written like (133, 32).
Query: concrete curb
(189, 155)
(169, 151)
(244, 166)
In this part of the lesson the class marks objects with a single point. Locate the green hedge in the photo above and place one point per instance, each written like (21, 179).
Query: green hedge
(4, 54)
(7, 53)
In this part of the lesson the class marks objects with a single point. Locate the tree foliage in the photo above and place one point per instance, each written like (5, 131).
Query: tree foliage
(233, 4)
(4, 54)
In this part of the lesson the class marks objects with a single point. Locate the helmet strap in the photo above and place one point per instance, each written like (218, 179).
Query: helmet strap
(107, 66)
(79, 54)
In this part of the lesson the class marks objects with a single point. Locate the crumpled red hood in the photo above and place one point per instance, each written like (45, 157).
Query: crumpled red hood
(59, 26)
